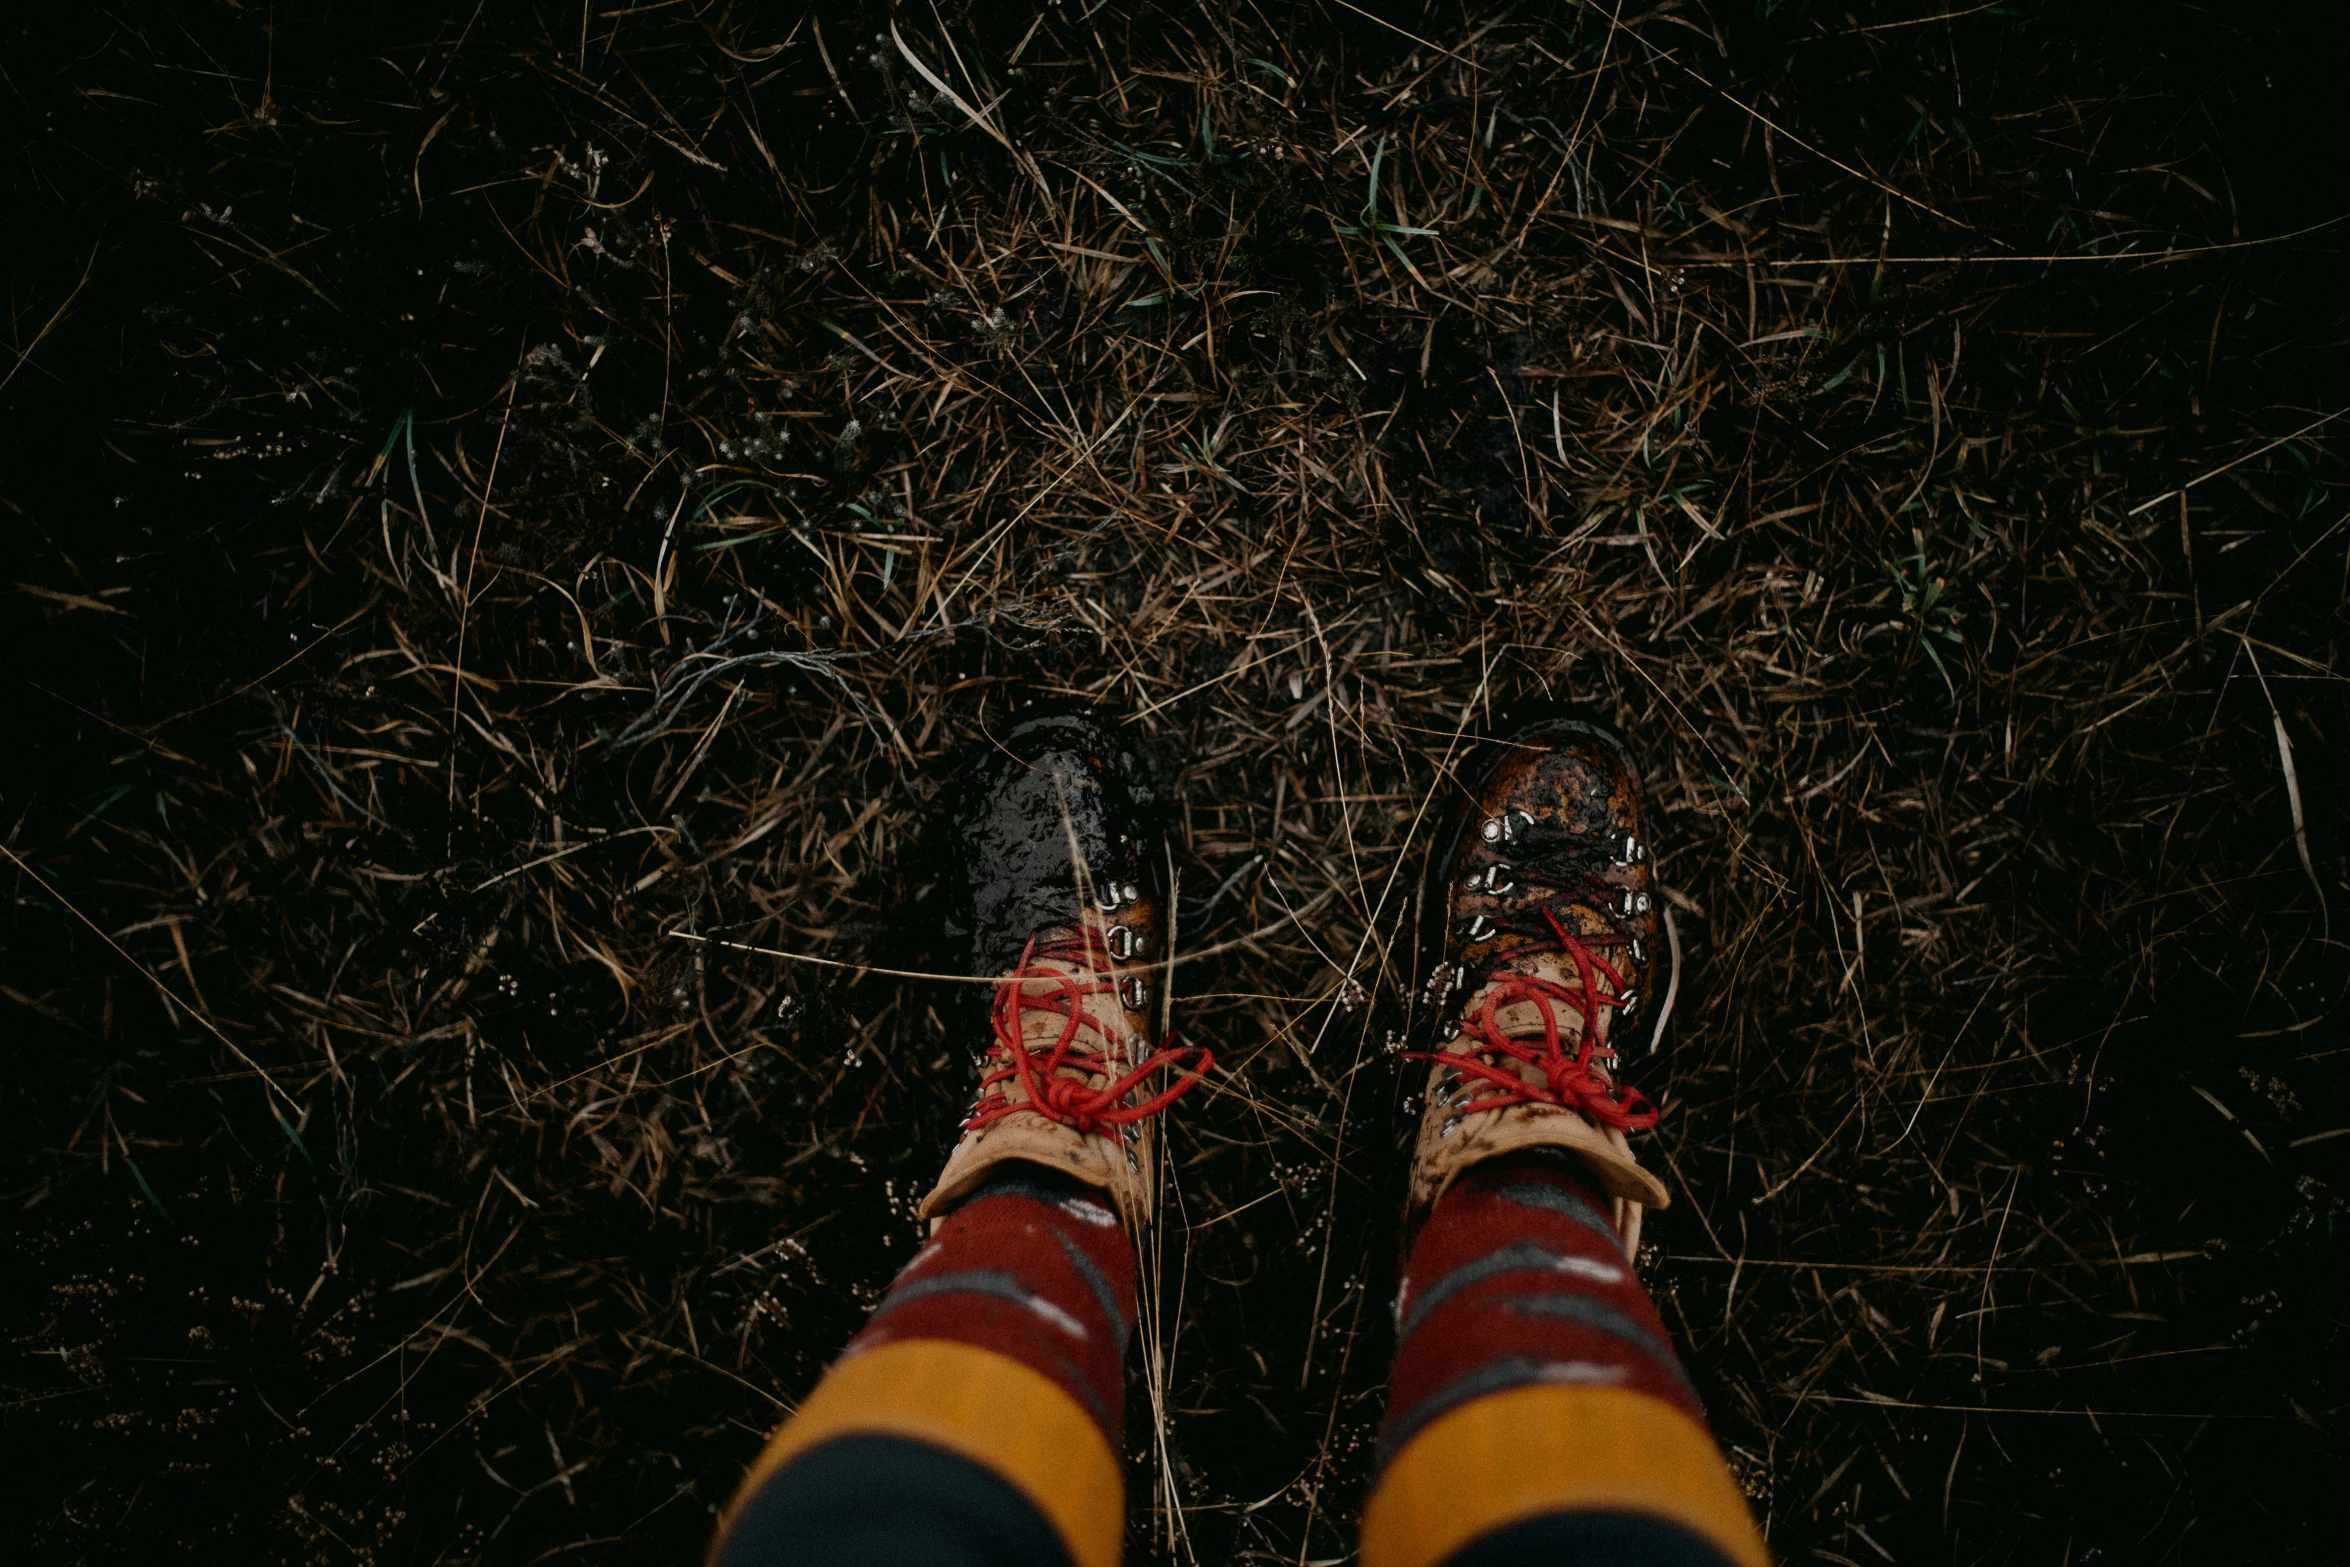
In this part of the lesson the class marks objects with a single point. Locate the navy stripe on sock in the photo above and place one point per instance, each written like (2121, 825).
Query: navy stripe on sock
(885, 1501)
(1593, 1539)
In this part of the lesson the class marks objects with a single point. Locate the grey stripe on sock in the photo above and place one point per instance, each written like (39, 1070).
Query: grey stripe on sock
(1049, 1192)
(1564, 1203)
(1519, 1257)
(1075, 1380)
(1598, 1315)
(979, 1281)
(1090, 1271)
(1495, 1376)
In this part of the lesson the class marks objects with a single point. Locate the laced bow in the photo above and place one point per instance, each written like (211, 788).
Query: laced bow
(1568, 1081)
(1057, 1080)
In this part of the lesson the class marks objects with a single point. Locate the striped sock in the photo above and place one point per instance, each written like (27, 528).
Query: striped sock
(1537, 1411)
(978, 1417)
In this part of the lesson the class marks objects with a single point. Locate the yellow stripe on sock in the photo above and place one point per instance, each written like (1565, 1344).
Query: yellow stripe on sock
(977, 1404)
(1520, 1454)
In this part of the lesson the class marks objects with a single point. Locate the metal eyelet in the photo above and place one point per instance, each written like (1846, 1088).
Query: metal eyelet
(1450, 1123)
(1108, 899)
(1132, 1163)
(1491, 829)
(1480, 927)
(1511, 820)
(1627, 1001)
(1639, 953)
(1135, 994)
(1122, 942)
(1627, 908)
(1640, 903)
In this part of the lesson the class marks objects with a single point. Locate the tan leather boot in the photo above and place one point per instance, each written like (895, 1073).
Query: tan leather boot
(1550, 967)
(1064, 867)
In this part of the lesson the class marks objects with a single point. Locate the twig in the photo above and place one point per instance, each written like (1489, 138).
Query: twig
(152, 978)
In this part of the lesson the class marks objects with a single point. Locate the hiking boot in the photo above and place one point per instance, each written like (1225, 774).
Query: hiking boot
(1550, 969)
(1064, 866)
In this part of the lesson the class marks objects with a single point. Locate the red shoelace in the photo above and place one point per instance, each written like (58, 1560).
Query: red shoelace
(1567, 1081)
(1083, 1047)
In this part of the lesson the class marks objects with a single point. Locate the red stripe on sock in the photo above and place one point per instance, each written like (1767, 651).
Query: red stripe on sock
(1514, 1281)
(1033, 1268)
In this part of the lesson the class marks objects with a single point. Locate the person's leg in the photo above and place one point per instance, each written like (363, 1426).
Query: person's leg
(977, 1420)
(1537, 1413)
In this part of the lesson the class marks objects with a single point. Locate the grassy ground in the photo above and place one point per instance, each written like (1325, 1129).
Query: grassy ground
(492, 496)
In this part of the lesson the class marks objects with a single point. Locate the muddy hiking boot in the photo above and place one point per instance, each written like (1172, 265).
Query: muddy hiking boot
(1548, 967)
(1058, 822)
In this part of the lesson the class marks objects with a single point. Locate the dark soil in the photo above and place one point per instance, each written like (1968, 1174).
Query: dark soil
(500, 500)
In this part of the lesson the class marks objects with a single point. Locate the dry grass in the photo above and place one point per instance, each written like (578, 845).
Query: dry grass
(582, 478)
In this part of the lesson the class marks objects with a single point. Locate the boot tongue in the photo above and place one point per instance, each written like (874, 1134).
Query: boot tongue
(1043, 1022)
(1524, 1019)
